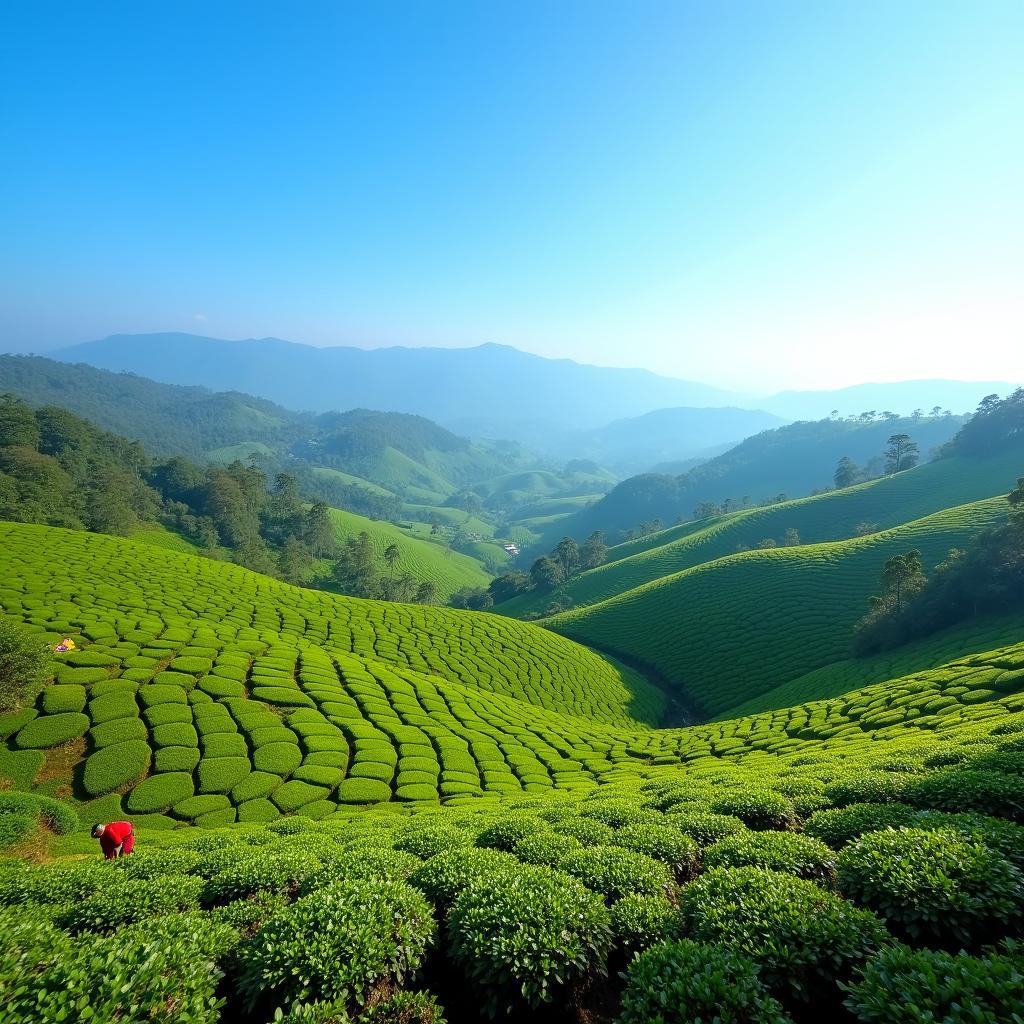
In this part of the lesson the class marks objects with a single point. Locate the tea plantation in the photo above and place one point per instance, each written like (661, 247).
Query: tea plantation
(884, 503)
(410, 815)
(725, 631)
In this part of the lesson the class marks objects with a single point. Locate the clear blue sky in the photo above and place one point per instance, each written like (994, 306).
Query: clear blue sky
(760, 195)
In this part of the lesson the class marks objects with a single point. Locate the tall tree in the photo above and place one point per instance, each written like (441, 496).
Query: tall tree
(567, 555)
(847, 473)
(391, 556)
(900, 454)
(318, 531)
(594, 551)
(546, 573)
(902, 577)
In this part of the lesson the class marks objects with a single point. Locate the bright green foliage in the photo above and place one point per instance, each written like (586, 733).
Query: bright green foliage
(905, 986)
(549, 848)
(642, 921)
(536, 932)
(338, 942)
(804, 938)
(63, 698)
(405, 1008)
(506, 832)
(838, 826)
(778, 851)
(113, 766)
(446, 875)
(757, 809)
(258, 871)
(932, 885)
(964, 790)
(15, 826)
(169, 969)
(997, 834)
(662, 842)
(615, 872)
(368, 862)
(159, 792)
(51, 730)
(112, 908)
(689, 983)
(705, 828)
(25, 662)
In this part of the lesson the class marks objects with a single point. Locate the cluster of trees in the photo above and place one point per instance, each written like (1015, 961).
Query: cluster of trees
(790, 539)
(986, 577)
(997, 423)
(58, 469)
(24, 665)
(709, 509)
(900, 453)
(359, 572)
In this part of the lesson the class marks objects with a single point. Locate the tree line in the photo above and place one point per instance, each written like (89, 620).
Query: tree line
(58, 469)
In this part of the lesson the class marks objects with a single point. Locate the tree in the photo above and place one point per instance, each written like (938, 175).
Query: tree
(791, 539)
(509, 585)
(295, 561)
(391, 556)
(24, 665)
(902, 577)
(474, 599)
(936, 410)
(705, 510)
(318, 531)
(847, 473)
(900, 454)
(864, 529)
(18, 427)
(594, 551)
(767, 542)
(426, 593)
(567, 555)
(546, 573)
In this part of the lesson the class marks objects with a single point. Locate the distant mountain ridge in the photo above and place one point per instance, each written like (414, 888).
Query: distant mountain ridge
(487, 382)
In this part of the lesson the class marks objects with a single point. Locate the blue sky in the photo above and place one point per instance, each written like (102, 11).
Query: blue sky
(760, 195)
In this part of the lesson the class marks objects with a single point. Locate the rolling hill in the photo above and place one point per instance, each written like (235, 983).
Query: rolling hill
(836, 515)
(793, 460)
(724, 631)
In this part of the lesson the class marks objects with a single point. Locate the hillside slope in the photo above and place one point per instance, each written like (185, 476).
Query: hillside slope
(725, 631)
(421, 559)
(835, 515)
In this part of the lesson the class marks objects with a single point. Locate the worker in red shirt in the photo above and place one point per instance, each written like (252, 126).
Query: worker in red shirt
(116, 839)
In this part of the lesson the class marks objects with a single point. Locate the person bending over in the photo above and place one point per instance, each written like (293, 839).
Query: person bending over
(117, 839)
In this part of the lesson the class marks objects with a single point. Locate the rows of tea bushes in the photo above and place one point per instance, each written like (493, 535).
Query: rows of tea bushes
(104, 590)
(882, 885)
(836, 515)
(730, 629)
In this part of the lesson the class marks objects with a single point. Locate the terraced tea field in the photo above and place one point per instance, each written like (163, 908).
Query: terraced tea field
(886, 502)
(394, 798)
(728, 630)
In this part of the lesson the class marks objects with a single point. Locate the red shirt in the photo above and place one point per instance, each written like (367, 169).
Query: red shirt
(114, 836)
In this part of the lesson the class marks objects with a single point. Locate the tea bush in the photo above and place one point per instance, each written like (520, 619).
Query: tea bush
(535, 933)
(446, 875)
(838, 826)
(687, 982)
(642, 921)
(135, 900)
(757, 809)
(338, 943)
(704, 827)
(906, 986)
(805, 938)
(662, 842)
(789, 852)
(615, 872)
(938, 886)
(986, 792)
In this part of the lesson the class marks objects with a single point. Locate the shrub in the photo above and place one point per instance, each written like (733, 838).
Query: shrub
(804, 938)
(221, 774)
(63, 698)
(277, 758)
(168, 966)
(531, 935)
(837, 826)
(642, 921)
(549, 848)
(113, 766)
(25, 662)
(868, 787)
(338, 943)
(106, 707)
(255, 871)
(905, 986)
(932, 885)
(59, 817)
(438, 837)
(789, 852)
(159, 792)
(254, 785)
(194, 806)
(689, 983)
(222, 744)
(615, 872)
(175, 759)
(446, 875)
(993, 793)
(292, 795)
(120, 730)
(504, 833)
(586, 830)
(616, 813)
(135, 900)
(704, 827)
(363, 862)
(362, 791)
(996, 833)
(51, 730)
(405, 1008)
(662, 842)
(757, 809)
(176, 734)
(15, 826)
